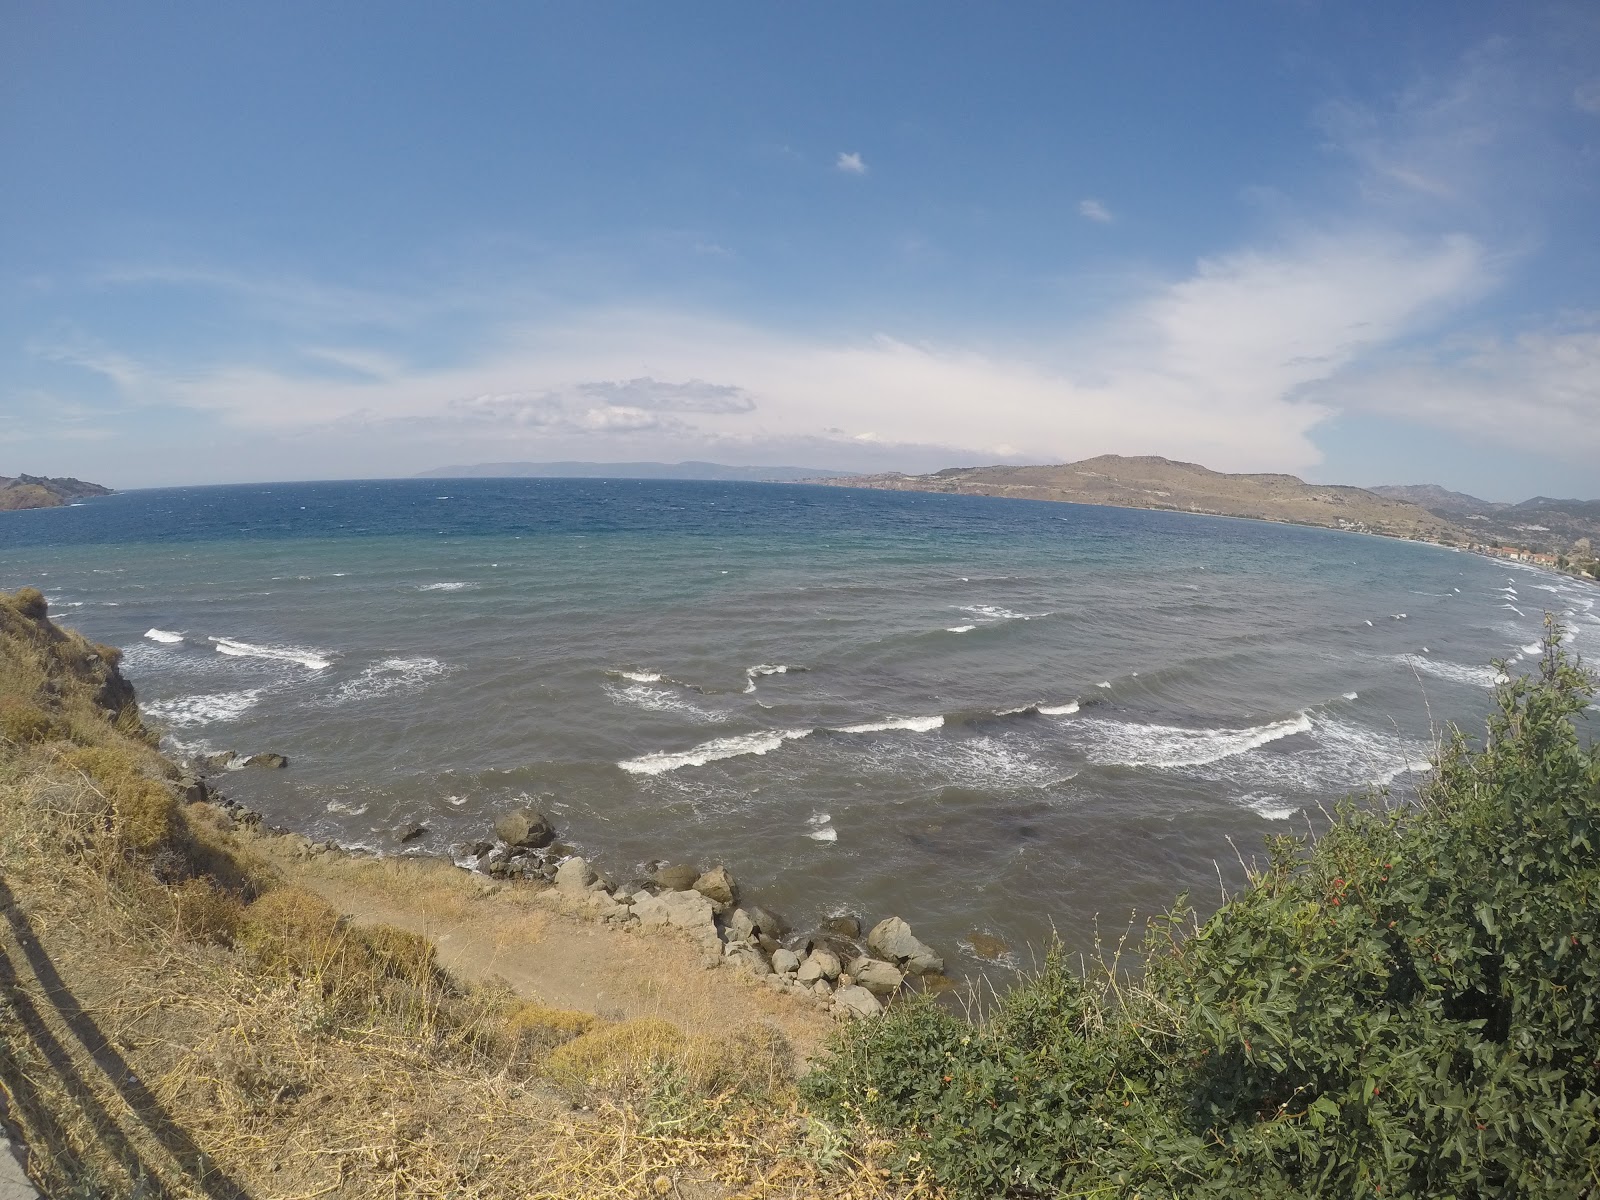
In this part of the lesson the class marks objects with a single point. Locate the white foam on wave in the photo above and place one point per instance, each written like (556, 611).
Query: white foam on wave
(751, 674)
(1514, 609)
(913, 724)
(344, 808)
(1352, 695)
(819, 818)
(995, 613)
(316, 660)
(188, 711)
(446, 587)
(1270, 807)
(1058, 710)
(652, 699)
(1532, 648)
(390, 675)
(1453, 672)
(636, 676)
(1369, 623)
(826, 834)
(1104, 683)
(1168, 746)
(165, 636)
(961, 629)
(661, 761)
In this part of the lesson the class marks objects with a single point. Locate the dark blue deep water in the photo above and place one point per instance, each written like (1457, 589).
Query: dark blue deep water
(981, 714)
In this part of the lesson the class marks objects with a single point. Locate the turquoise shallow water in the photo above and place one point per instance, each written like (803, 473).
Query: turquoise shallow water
(981, 714)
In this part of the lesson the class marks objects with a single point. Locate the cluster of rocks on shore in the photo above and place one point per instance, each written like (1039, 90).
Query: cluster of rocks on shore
(232, 760)
(834, 965)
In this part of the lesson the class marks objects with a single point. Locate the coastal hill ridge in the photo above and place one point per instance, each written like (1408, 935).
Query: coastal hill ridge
(38, 491)
(715, 472)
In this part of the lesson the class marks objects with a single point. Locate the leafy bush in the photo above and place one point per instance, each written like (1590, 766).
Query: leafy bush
(1408, 1006)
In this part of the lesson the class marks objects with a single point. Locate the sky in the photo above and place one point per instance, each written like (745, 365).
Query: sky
(1354, 241)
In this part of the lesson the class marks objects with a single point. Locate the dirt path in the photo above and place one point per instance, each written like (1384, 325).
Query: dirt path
(485, 930)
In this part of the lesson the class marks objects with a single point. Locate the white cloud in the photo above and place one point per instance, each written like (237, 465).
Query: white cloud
(1213, 367)
(1094, 211)
(1538, 390)
(851, 164)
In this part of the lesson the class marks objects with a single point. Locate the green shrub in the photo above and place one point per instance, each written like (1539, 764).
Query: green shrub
(1408, 1007)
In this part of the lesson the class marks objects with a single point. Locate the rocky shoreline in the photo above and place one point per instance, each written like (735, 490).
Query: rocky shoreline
(843, 967)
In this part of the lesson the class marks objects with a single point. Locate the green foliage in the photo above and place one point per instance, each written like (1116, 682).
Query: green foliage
(1408, 1007)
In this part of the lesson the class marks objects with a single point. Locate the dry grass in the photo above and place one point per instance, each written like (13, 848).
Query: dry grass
(179, 1014)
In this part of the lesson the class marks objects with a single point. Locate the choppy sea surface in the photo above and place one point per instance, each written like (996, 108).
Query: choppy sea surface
(981, 714)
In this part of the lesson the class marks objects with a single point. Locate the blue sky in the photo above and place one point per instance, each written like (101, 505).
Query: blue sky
(1354, 241)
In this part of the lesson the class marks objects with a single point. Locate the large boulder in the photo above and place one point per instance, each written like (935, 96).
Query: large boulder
(892, 939)
(745, 955)
(856, 1002)
(410, 833)
(785, 962)
(575, 875)
(768, 924)
(717, 884)
(879, 978)
(272, 762)
(844, 926)
(677, 879)
(688, 911)
(524, 827)
(738, 927)
(826, 963)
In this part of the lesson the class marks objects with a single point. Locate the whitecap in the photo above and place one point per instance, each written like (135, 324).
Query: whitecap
(1532, 649)
(1105, 683)
(165, 636)
(961, 629)
(751, 674)
(390, 675)
(1369, 622)
(914, 724)
(1058, 710)
(995, 613)
(819, 818)
(661, 761)
(636, 676)
(1398, 616)
(346, 809)
(1514, 609)
(1133, 745)
(1352, 695)
(316, 660)
(1270, 807)
(1454, 672)
(655, 700)
(185, 711)
(826, 834)
(446, 587)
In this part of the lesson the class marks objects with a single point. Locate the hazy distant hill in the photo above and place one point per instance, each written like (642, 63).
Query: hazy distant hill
(36, 491)
(628, 470)
(1542, 522)
(1149, 482)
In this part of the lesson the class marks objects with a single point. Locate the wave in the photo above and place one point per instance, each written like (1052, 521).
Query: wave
(1058, 710)
(661, 761)
(751, 674)
(187, 711)
(1352, 695)
(826, 834)
(1453, 672)
(651, 699)
(914, 724)
(635, 676)
(447, 587)
(1532, 649)
(1270, 807)
(1514, 609)
(995, 613)
(961, 629)
(390, 675)
(165, 636)
(1168, 746)
(316, 660)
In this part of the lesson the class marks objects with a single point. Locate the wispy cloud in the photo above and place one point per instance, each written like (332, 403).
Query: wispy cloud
(850, 164)
(1095, 211)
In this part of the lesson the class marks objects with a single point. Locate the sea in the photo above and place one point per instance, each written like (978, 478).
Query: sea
(994, 717)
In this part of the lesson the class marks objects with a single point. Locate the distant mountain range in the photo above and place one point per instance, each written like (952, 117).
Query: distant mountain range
(1423, 511)
(1542, 521)
(629, 470)
(36, 491)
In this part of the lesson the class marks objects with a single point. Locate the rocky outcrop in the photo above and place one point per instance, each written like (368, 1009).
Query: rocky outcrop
(524, 827)
(893, 940)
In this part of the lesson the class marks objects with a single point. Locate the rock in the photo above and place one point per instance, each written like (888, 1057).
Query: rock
(688, 911)
(495, 860)
(737, 926)
(479, 849)
(879, 978)
(574, 875)
(272, 762)
(986, 945)
(785, 961)
(677, 879)
(216, 762)
(809, 971)
(192, 789)
(767, 922)
(409, 833)
(892, 939)
(846, 927)
(826, 962)
(524, 827)
(856, 1002)
(649, 909)
(744, 955)
(717, 885)
(776, 982)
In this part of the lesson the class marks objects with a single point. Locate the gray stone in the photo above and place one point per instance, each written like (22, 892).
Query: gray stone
(767, 922)
(879, 978)
(688, 911)
(272, 762)
(856, 1002)
(822, 988)
(524, 827)
(785, 961)
(892, 939)
(826, 962)
(216, 762)
(717, 884)
(737, 926)
(650, 910)
(845, 926)
(409, 833)
(676, 879)
(574, 875)
(809, 971)
(744, 955)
